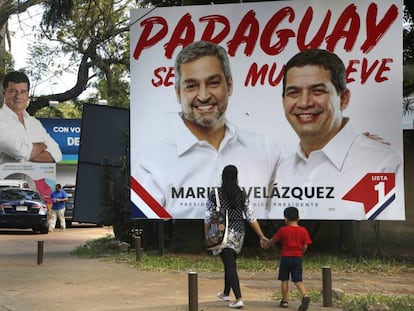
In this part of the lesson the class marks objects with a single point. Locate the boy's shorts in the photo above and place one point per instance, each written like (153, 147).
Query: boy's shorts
(290, 265)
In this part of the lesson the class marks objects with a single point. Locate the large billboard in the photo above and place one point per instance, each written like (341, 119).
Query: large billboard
(172, 171)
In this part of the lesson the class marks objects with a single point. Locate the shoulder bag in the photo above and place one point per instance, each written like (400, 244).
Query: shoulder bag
(217, 234)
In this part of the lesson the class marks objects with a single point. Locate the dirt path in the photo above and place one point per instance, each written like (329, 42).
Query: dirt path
(64, 282)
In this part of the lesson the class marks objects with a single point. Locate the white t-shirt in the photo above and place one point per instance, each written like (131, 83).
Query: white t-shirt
(179, 171)
(16, 139)
(316, 185)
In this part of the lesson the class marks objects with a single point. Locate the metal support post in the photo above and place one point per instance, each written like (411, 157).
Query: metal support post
(39, 252)
(358, 240)
(138, 250)
(192, 291)
(161, 237)
(327, 286)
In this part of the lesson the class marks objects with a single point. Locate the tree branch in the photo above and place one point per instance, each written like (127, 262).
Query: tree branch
(80, 86)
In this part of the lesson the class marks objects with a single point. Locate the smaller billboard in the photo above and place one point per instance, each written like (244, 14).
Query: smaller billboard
(40, 176)
(66, 132)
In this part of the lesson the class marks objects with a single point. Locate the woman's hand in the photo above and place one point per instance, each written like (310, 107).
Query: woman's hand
(264, 241)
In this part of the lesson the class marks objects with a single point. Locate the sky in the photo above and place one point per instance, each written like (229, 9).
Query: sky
(22, 29)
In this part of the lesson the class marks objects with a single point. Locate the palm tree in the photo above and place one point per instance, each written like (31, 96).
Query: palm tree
(408, 105)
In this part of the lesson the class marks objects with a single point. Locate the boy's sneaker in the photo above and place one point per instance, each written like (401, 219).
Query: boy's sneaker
(283, 304)
(222, 296)
(305, 303)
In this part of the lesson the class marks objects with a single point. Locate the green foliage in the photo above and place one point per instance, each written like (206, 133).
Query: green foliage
(178, 263)
(162, 3)
(66, 110)
(117, 92)
(350, 264)
(43, 63)
(266, 262)
(408, 105)
(117, 209)
(352, 302)
(362, 302)
(408, 56)
(56, 12)
(94, 248)
(8, 62)
(99, 29)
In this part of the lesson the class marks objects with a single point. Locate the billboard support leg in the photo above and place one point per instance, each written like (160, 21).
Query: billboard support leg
(161, 237)
(358, 242)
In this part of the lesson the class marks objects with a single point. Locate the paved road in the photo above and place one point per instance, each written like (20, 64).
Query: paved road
(23, 243)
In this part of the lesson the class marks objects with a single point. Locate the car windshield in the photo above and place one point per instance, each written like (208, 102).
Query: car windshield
(19, 194)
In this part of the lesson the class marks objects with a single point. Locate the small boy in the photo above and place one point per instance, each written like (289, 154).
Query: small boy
(295, 240)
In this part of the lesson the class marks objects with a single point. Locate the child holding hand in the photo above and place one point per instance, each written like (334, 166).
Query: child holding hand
(295, 240)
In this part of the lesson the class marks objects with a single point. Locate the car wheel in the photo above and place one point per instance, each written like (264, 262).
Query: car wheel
(68, 223)
(44, 230)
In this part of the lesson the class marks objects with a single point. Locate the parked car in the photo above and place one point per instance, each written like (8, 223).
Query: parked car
(17, 183)
(23, 208)
(70, 190)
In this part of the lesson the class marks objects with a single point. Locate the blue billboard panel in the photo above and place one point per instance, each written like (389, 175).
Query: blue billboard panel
(66, 132)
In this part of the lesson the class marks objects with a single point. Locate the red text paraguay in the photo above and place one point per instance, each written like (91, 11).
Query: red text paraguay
(272, 39)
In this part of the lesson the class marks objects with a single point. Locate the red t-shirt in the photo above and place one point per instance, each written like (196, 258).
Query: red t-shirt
(293, 239)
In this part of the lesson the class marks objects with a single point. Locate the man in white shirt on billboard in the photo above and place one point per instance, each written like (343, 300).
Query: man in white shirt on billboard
(23, 137)
(180, 170)
(331, 157)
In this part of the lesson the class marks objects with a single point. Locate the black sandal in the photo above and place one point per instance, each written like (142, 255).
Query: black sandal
(305, 303)
(283, 304)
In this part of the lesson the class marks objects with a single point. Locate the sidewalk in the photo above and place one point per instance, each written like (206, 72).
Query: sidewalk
(65, 282)
(90, 284)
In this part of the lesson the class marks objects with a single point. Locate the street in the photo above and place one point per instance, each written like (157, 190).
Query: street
(23, 242)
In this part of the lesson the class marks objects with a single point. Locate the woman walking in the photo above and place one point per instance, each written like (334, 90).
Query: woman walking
(235, 201)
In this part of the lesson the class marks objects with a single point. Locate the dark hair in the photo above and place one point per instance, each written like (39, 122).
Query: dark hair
(291, 213)
(230, 187)
(200, 49)
(17, 77)
(325, 59)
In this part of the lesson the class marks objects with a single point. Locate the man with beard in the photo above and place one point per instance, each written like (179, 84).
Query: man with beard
(179, 171)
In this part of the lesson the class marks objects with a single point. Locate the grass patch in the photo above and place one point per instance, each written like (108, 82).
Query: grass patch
(351, 302)
(349, 264)
(375, 302)
(248, 260)
(96, 248)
